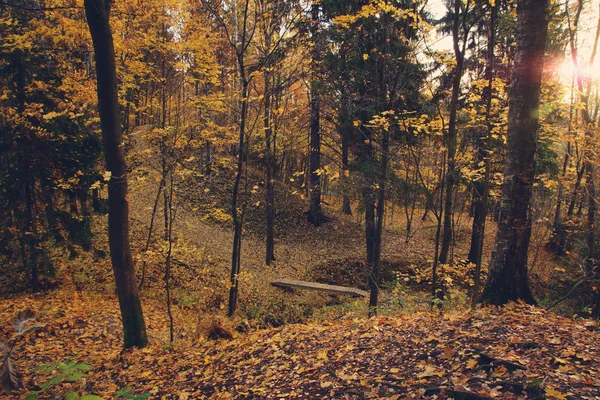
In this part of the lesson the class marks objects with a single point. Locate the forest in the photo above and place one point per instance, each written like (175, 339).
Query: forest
(352, 199)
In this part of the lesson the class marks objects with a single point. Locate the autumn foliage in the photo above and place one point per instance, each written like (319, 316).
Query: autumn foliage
(163, 162)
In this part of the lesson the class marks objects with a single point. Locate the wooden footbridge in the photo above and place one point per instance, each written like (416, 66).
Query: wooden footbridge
(321, 287)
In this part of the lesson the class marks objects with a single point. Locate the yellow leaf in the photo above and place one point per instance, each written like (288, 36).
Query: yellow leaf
(500, 371)
(322, 355)
(430, 370)
(552, 393)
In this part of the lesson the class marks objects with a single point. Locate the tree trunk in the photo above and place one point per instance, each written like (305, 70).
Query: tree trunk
(451, 138)
(481, 187)
(507, 279)
(269, 159)
(374, 273)
(149, 234)
(134, 329)
(346, 205)
(31, 237)
(345, 135)
(96, 200)
(235, 215)
(315, 215)
(437, 293)
(163, 148)
(590, 159)
(169, 258)
(559, 230)
(370, 238)
(53, 225)
(572, 203)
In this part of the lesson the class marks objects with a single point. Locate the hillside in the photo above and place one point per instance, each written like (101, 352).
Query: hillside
(168, 164)
(509, 353)
(315, 345)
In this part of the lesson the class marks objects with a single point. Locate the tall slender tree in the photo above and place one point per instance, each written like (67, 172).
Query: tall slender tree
(460, 36)
(315, 214)
(134, 328)
(508, 278)
(481, 186)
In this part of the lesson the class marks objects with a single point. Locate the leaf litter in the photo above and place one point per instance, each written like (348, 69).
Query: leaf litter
(513, 352)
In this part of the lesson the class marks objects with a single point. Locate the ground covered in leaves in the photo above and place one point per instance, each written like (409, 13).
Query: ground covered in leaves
(514, 352)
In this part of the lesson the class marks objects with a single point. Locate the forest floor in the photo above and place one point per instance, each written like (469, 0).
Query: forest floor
(514, 352)
(334, 352)
(298, 344)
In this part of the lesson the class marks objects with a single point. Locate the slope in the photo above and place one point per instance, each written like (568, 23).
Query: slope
(514, 352)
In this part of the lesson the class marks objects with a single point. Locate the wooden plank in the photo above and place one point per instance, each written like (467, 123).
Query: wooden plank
(293, 284)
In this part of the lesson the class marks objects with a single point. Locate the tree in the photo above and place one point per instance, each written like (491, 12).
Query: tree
(481, 186)
(275, 41)
(588, 118)
(459, 26)
(508, 275)
(377, 39)
(315, 214)
(134, 328)
(48, 147)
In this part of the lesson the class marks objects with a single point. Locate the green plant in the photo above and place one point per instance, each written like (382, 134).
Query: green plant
(125, 394)
(278, 313)
(344, 310)
(68, 372)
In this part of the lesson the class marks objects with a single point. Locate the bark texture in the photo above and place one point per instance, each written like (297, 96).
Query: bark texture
(134, 328)
(315, 214)
(481, 186)
(452, 133)
(508, 280)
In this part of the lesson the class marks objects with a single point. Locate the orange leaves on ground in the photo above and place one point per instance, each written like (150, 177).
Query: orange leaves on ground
(507, 353)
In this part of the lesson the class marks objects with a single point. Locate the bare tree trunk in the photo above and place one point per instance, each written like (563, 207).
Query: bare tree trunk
(31, 237)
(269, 160)
(481, 187)
(559, 231)
(96, 200)
(590, 158)
(53, 225)
(507, 279)
(134, 328)
(345, 127)
(169, 258)
(374, 273)
(451, 136)
(235, 215)
(437, 285)
(315, 215)
(576, 189)
(163, 145)
(346, 206)
(149, 235)
(370, 238)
